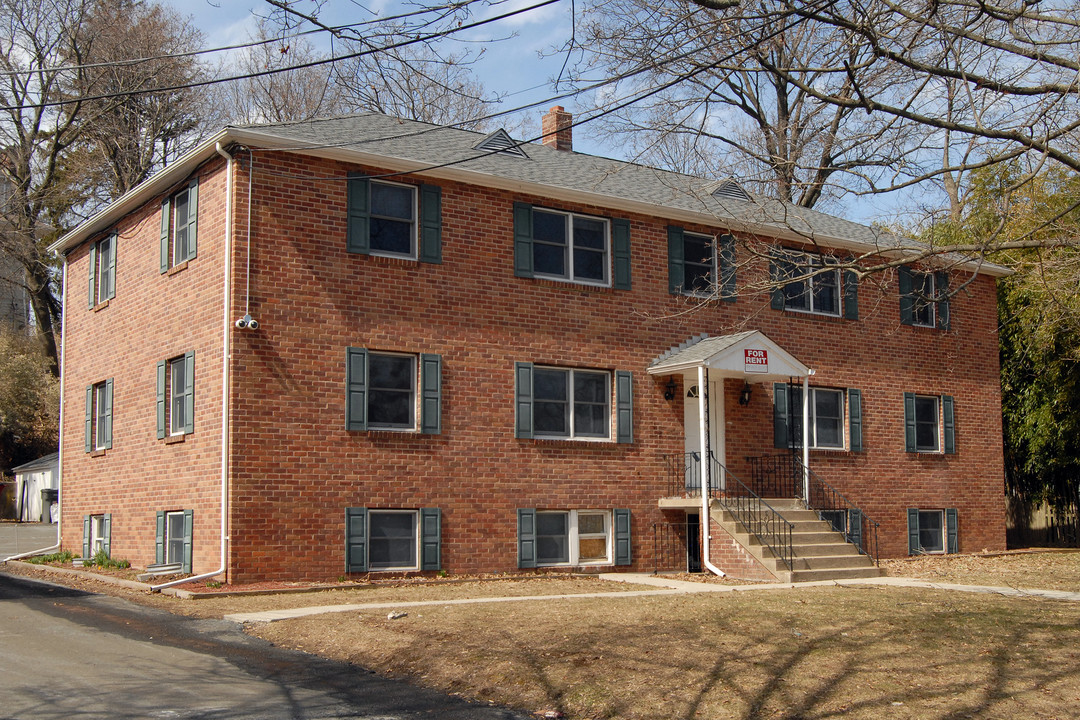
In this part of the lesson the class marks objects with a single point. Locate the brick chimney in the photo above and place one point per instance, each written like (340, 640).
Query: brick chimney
(557, 129)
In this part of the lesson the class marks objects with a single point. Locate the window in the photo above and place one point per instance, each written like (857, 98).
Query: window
(382, 391)
(176, 396)
(97, 530)
(929, 423)
(103, 270)
(573, 537)
(571, 403)
(394, 219)
(99, 416)
(179, 236)
(392, 539)
(924, 299)
(174, 538)
(804, 282)
(932, 531)
(567, 246)
(827, 417)
(693, 262)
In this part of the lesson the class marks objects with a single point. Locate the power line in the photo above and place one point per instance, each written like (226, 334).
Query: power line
(276, 71)
(333, 29)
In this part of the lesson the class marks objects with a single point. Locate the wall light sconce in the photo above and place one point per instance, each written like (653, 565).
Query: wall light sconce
(744, 396)
(669, 390)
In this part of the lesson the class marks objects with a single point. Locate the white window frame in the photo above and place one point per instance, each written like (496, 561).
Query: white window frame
(176, 398)
(414, 221)
(371, 513)
(921, 298)
(97, 534)
(104, 281)
(170, 538)
(943, 536)
(572, 433)
(414, 371)
(805, 264)
(569, 229)
(173, 246)
(97, 417)
(574, 537)
(938, 425)
(714, 269)
(796, 414)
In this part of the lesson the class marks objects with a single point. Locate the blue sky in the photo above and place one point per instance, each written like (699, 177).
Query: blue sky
(513, 66)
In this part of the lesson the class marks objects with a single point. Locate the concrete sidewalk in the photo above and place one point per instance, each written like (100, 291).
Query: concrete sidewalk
(664, 586)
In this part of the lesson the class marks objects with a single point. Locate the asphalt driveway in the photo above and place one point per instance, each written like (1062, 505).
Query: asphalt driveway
(16, 538)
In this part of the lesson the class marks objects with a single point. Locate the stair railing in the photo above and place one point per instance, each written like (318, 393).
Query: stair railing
(833, 506)
(756, 516)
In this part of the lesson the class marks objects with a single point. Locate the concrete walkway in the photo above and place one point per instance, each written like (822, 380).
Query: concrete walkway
(665, 586)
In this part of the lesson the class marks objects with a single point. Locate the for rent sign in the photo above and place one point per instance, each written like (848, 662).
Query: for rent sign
(755, 361)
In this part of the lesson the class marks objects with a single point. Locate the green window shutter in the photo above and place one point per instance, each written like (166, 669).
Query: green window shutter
(952, 539)
(620, 240)
(358, 198)
(189, 393)
(193, 218)
(431, 394)
(523, 400)
(624, 406)
(948, 423)
(93, 269)
(726, 261)
(914, 547)
(430, 539)
(109, 274)
(523, 250)
(161, 400)
(107, 539)
(189, 527)
(355, 389)
(623, 553)
(778, 273)
(159, 538)
(851, 295)
(854, 527)
(86, 536)
(89, 418)
(907, 295)
(356, 539)
(108, 413)
(166, 209)
(780, 416)
(430, 224)
(941, 285)
(909, 422)
(676, 258)
(526, 538)
(855, 419)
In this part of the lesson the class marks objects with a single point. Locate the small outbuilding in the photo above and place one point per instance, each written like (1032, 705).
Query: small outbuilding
(37, 494)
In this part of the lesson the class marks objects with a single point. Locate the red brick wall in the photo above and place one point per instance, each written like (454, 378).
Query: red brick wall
(151, 318)
(726, 553)
(294, 468)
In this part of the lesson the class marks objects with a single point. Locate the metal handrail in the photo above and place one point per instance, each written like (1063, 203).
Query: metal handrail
(756, 516)
(859, 528)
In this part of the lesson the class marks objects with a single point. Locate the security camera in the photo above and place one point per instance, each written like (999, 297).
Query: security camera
(253, 324)
(242, 323)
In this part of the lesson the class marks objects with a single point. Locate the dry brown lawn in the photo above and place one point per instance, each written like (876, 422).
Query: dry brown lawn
(810, 653)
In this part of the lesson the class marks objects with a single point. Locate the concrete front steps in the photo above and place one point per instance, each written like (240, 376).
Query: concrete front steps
(818, 552)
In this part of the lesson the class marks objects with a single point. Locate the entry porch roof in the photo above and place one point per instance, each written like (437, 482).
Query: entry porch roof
(750, 355)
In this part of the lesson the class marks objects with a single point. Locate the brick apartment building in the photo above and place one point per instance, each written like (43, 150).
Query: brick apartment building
(364, 344)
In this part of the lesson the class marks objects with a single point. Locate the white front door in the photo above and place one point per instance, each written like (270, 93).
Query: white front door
(691, 415)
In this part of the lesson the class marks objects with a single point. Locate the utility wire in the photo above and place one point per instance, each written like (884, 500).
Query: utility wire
(276, 71)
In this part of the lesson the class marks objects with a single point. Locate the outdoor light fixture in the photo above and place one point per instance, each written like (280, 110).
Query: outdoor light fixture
(744, 396)
(669, 390)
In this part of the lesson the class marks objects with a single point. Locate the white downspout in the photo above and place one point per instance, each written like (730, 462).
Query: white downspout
(806, 438)
(706, 518)
(225, 357)
(60, 445)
